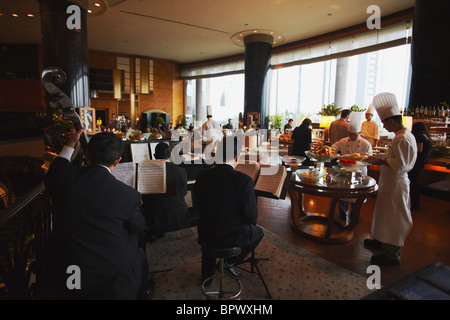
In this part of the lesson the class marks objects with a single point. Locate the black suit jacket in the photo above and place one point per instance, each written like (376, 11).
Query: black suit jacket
(96, 217)
(227, 208)
(169, 211)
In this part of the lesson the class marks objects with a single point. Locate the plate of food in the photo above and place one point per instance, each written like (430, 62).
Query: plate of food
(311, 177)
(354, 156)
(351, 165)
(324, 154)
(292, 160)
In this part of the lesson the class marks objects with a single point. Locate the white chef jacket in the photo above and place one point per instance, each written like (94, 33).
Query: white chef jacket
(369, 131)
(211, 130)
(392, 216)
(347, 146)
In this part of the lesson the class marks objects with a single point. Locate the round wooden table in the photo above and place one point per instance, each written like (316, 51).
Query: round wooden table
(323, 227)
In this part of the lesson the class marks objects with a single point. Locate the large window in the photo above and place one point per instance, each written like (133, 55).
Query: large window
(301, 91)
(224, 94)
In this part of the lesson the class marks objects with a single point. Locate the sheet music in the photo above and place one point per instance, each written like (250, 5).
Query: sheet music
(125, 172)
(139, 152)
(272, 183)
(151, 177)
(251, 169)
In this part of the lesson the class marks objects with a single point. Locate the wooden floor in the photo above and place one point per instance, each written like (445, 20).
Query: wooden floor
(427, 243)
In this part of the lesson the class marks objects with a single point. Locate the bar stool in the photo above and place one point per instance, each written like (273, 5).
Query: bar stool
(221, 254)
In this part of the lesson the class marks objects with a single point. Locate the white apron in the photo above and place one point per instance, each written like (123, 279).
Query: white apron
(392, 216)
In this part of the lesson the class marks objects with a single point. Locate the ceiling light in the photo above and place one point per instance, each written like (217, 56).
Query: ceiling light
(237, 38)
(15, 15)
(89, 11)
(97, 4)
(30, 15)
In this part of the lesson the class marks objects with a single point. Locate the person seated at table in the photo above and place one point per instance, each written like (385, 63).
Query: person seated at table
(229, 125)
(227, 207)
(354, 143)
(167, 212)
(302, 140)
(288, 125)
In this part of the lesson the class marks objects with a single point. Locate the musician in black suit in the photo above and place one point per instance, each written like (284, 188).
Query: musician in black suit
(96, 217)
(169, 211)
(227, 208)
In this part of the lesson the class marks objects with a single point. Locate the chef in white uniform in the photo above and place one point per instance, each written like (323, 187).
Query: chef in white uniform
(211, 130)
(369, 128)
(352, 144)
(392, 216)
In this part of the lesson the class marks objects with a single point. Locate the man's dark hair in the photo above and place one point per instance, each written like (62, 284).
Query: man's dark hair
(162, 151)
(105, 148)
(290, 120)
(345, 113)
(228, 148)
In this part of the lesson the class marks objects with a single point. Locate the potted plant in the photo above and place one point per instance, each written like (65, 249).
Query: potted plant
(330, 110)
(159, 121)
(274, 126)
(275, 122)
(355, 108)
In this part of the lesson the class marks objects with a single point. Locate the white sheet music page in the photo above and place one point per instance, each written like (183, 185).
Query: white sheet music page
(151, 177)
(125, 172)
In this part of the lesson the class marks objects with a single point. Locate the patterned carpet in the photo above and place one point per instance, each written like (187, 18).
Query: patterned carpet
(291, 273)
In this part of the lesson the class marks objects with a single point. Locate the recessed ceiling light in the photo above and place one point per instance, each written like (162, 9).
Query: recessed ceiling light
(30, 15)
(89, 11)
(97, 4)
(15, 15)
(277, 37)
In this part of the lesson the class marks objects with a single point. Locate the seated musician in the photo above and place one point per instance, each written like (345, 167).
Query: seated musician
(91, 253)
(227, 207)
(169, 211)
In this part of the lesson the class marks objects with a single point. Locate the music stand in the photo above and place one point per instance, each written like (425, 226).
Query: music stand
(254, 265)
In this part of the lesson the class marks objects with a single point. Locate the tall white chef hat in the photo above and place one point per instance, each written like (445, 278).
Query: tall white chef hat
(371, 109)
(354, 124)
(386, 105)
(208, 110)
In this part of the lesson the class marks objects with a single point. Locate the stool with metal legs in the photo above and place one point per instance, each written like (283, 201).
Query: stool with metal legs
(254, 265)
(221, 293)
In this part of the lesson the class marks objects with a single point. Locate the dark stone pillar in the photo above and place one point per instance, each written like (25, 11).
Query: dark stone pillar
(258, 52)
(66, 48)
(430, 82)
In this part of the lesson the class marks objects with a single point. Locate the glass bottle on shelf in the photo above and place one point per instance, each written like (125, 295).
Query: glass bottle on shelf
(417, 112)
(421, 111)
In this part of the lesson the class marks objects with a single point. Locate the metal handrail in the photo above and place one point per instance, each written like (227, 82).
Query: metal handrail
(17, 206)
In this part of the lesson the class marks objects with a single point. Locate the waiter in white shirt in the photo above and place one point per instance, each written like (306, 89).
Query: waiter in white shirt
(369, 128)
(392, 216)
(211, 130)
(352, 144)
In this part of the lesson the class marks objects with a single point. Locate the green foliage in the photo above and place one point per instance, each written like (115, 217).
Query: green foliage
(160, 121)
(275, 122)
(355, 108)
(182, 120)
(330, 110)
